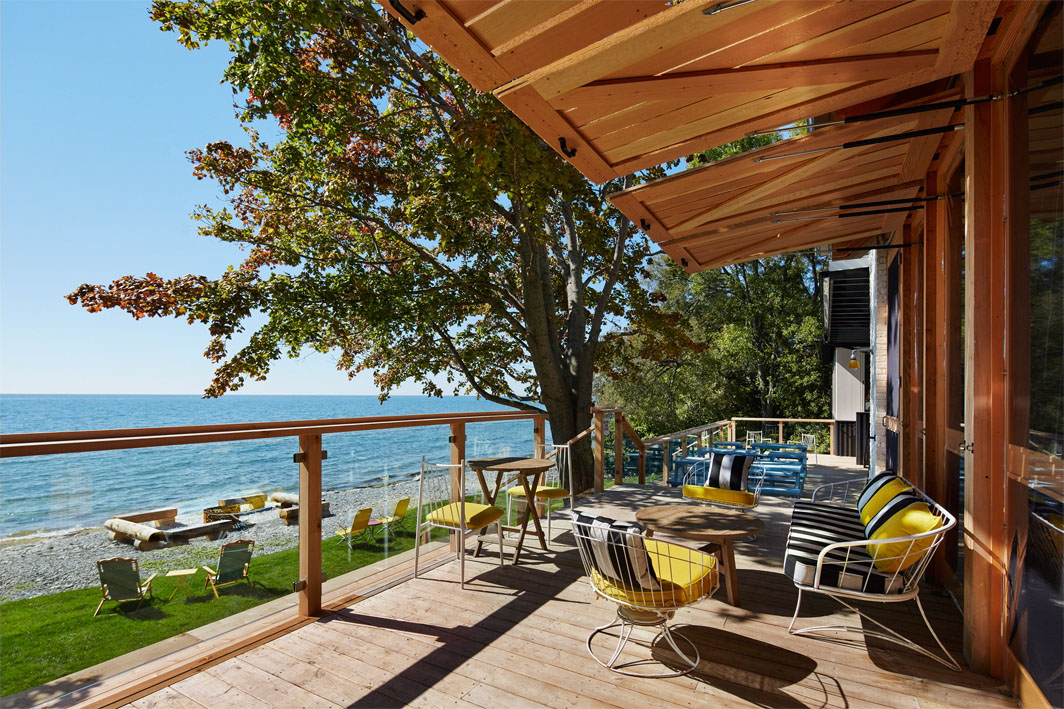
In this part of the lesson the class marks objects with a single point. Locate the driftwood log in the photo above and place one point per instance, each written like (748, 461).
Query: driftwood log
(161, 517)
(286, 499)
(123, 529)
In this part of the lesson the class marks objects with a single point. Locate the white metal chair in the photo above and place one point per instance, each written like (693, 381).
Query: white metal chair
(809, 441)
(551, 488)
(702, 486)
(753, 437)
(648, 580)
(435, 509)
(827, 552)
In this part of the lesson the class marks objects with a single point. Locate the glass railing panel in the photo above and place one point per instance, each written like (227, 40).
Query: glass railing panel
(169, 511)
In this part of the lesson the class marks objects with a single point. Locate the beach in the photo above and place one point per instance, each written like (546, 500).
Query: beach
(40, 565)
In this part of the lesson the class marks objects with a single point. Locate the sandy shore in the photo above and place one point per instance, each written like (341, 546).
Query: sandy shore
(35, 566)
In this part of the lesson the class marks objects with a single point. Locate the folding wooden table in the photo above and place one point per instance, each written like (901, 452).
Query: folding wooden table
(522, 469)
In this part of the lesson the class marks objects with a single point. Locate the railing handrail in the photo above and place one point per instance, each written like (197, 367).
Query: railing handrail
(782, 420)
(686, 432)
(29, 444)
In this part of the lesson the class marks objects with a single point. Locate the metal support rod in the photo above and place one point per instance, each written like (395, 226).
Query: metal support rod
(843, 215)
(868, 141)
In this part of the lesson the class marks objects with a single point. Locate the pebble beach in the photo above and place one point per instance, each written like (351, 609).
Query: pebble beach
(40, 565)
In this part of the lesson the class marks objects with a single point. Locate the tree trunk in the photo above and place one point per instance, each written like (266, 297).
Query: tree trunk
(570, 414)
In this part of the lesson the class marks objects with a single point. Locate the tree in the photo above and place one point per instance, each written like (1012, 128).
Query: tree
(759, 334)
(401, 220)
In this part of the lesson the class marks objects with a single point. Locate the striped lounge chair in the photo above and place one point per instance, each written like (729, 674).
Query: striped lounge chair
(875, 551)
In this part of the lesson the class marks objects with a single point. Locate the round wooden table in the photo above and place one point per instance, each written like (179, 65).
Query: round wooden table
(718, 526)
(523, 469)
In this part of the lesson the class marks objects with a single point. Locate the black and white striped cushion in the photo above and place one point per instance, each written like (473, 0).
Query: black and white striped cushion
(727, 472)
(616, 550)
(815, 526)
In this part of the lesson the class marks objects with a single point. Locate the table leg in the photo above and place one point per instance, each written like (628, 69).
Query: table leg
(489, 499)
(530, 513)
(727, 557)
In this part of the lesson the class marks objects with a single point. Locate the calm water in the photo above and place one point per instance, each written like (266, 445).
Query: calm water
(84, 489)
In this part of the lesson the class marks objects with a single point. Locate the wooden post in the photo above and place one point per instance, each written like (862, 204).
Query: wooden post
(643, 466)
(600, 450)
(309, 458)
(731, 429)
(683, 445)
(781, 432)
(458, 456)
(984, 504)
(666, 461)
(539, 434)
(618, 448)
(831, 438)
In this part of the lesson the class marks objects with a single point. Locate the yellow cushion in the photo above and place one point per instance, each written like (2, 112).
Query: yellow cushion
(551, 493)
(516, 490)
(885, 494)
(685, 576)
(916, 518)
(477, 515)
(717, 494)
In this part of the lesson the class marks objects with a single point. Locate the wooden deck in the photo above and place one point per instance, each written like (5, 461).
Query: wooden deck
(516, 638)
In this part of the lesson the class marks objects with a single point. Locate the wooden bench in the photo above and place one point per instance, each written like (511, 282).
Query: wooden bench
(162, 517)
(255, 501)
(211, 530)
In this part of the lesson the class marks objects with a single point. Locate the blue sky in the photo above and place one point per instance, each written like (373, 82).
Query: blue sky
(98, 109)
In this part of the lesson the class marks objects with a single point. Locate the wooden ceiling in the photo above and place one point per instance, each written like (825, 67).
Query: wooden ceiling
(759, 204)
(629, 85)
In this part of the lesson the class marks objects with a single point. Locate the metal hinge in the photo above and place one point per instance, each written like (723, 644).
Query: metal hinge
(302, 457)
(301, 584)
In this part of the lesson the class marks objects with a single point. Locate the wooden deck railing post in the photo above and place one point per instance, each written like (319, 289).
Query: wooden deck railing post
(781, 432)
(458, 456)
(618, 448)
(731, 430)
(600, 450)
(831, 438)
(666, 461)
(309, 459)
(539, 435)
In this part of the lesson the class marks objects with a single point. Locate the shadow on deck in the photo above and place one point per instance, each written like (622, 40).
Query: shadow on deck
(516, 637)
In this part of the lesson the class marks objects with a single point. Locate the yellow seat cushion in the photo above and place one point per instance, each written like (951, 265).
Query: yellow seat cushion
(477, 515)
(684, 575)
(717, 494)
(884, 495)
(551, 493)
(915, 518)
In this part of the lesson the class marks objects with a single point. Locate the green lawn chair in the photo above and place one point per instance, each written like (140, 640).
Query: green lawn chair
(233, 561)
(120, 581)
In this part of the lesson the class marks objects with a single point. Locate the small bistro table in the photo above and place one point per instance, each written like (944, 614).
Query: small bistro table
(720, 527)
(522, 469)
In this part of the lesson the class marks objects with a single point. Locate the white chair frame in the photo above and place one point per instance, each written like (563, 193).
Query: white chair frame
(701, 469)
(909, 578)
(630, 614)
(551, 478)
(809, 441)
(436, 477)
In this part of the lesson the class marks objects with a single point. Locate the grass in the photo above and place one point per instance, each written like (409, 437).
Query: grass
(50, 636)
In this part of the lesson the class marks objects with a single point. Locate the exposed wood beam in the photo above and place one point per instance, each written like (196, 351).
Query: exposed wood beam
(966, 29)
(705, 84)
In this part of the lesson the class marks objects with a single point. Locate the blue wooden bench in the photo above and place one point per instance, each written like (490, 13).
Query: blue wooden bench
(784, 467)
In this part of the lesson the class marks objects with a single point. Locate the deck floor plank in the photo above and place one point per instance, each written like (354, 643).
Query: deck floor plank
(516, 638)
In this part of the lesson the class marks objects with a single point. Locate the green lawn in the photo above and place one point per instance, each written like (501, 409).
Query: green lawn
(51, 636)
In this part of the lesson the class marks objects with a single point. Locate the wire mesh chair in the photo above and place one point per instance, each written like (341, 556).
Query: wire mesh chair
(753, 437)
(435, 509)
(881, 570)
(809, 441)
(551, 488)
(648, 580)
(702, 486)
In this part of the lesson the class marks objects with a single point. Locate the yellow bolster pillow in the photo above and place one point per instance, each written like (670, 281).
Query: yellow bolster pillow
(885, 494)
(916, 518)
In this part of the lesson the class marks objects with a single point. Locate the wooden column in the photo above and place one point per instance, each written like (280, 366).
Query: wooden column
(539, 435)
(600, 450)
(731, 429)
(666, 460)
(909, 388)
(309, 459)
(831, 438)
(985, 407)
(780, 434)
(935, 250)
(618, 448)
